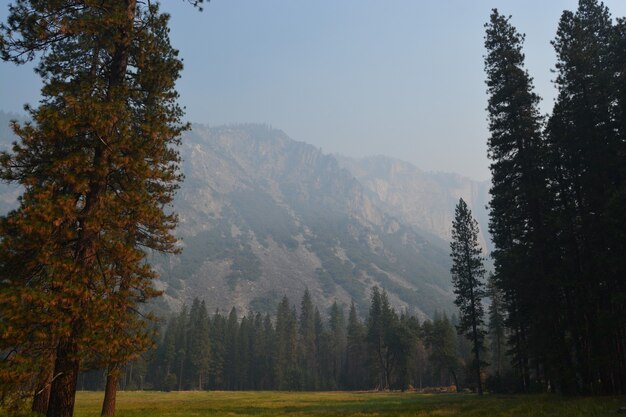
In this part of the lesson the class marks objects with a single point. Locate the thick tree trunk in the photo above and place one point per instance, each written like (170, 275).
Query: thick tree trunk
(110, 392)
(42, 389)
(63, 389)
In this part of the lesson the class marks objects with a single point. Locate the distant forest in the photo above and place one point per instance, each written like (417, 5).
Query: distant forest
(301, 348)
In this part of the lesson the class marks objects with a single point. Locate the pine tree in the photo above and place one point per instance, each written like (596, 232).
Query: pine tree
(382, 328)
(166, 356)
(307, 347)
(182, 322)
(497, 333)
(586, 171)
(198, 341)
(467, 274)
(218, 347)
(337, 327)
(98, 167)
(441, 340)
(287, 376)
(243, 348)
(355, 367)
(231, 364)
(518, 203)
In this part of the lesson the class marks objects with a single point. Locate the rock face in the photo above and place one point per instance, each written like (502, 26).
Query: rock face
(425, 200)
(262, 216)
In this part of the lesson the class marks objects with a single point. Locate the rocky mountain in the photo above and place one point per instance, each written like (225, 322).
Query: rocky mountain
(425, 200)
(262, 216)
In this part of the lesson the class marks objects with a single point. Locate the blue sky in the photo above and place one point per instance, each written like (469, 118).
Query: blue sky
(400, 78)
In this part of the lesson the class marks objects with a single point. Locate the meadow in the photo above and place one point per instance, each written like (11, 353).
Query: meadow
(345, 404)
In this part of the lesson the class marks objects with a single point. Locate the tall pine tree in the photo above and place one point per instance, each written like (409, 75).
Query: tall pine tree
(98, 167)
(519, 202)
(585, 136)
(467, 274)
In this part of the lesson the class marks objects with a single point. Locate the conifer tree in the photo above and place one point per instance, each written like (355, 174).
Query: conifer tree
(440, 338)
(519, 199)
(182, 322)
(98, 167)
(356, 356)
(497, 333)
(307, 345)
(230, 350)
(337, 327)
(269, 354)
(467, 274)
(218, 346)
(381, 332)
(286, 347)
(586, 168)
(199, 344)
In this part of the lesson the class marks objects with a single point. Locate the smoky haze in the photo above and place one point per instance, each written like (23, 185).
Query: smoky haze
(403, 78)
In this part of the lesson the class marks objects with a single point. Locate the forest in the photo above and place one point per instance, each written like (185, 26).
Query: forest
(301, 349)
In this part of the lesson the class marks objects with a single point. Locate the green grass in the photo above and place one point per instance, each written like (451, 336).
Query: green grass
(348, 404)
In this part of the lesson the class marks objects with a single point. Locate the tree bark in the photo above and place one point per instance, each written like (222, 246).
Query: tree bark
(42, 389)
(63, 388)
(110, 392)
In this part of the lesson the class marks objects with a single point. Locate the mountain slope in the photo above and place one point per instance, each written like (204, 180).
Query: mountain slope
(425, 200)
(262, 216)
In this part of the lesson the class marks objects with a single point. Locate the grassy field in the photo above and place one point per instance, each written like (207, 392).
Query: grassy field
(348, 404)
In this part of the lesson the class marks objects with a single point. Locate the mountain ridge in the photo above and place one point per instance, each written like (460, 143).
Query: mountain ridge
(262, 216)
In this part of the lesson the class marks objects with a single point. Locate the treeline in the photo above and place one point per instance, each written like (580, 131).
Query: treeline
(301, 348)
(558, 207)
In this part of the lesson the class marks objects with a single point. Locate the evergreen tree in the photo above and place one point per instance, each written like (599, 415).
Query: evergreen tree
(243, 350)
(199, 343)
(182, 322)
(165, 358)
(402, 342)
(467, 273)
(381, 332)
(218, 353)
(497, 333)
(269, 350)
(307, 345)
(287, 376)
(337, 327)
(440, 338)
(356, 356)
(586, 172)
(518, 199)
(231, 363)
(97, 166)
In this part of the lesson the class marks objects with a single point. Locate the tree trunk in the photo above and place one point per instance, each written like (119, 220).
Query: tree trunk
(63, 389)
(42, 389)
(477, 357)
(180, 376)
(110, 392)
(456, 381)
(129, 380)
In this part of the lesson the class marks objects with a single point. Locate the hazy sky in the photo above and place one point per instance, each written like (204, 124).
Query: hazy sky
(358, 77)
